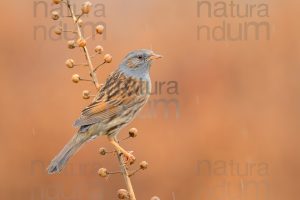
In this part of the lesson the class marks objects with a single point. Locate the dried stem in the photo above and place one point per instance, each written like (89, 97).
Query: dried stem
(85, 50)
(134, 172)
(125, 174)
(93, 75)
(99, 66)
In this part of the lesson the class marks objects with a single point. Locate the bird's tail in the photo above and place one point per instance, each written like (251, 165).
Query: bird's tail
(60, 160)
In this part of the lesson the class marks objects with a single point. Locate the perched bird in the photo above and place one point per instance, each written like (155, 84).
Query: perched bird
(123, 95)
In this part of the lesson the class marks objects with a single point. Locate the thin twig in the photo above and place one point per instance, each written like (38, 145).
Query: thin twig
(99, 66)
(82, 79)
(79, 17)
(134, 172)
(125, 174)
(86, 52)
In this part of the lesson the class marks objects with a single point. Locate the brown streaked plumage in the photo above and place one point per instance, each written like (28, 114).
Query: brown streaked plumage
(120, 97)
(123, 95)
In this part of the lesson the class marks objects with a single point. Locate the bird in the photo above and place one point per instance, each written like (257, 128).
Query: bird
(117, 103)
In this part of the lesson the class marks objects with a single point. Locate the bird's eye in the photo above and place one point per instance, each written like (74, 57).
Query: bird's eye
(140, 57)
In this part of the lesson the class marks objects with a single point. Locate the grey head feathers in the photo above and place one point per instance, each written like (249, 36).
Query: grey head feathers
(137, 64)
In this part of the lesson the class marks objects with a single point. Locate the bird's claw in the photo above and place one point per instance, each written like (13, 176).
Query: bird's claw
(129, 158)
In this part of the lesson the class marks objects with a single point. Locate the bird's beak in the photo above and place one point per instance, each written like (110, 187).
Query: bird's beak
(155, 56)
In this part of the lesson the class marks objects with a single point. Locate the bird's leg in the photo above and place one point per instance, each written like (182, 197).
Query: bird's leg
(129, 157)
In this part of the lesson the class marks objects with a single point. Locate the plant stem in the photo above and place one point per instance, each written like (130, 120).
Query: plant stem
(85, 50)
(125, 175)
(95, 80)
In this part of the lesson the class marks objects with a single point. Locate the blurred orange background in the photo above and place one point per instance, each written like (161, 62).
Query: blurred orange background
(237, 102)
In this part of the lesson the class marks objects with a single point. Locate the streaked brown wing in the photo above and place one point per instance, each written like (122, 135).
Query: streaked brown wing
(100, 112)
(111, 101)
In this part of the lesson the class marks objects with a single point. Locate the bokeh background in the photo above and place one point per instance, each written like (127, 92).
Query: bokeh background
(237, 102)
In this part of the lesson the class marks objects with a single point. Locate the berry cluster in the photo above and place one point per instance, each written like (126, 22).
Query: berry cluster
(81, 42)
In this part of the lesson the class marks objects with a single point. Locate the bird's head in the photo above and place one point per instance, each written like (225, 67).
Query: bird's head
(137, 63)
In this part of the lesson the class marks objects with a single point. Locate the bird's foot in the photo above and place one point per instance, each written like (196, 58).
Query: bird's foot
(129, 158)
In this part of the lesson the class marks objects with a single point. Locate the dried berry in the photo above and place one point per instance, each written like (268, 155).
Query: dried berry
(81, 42)
(103, 172)
(70, 63)
(55, 15)
(76, 78)
(144, 165)
(86, 7)
(71, 44)
(107, 58)
(86, 94)
(56, 1)
(99, 49)
(100, 29)
(133, 132)
(58, 30)
(123, 194)
(102, 151)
